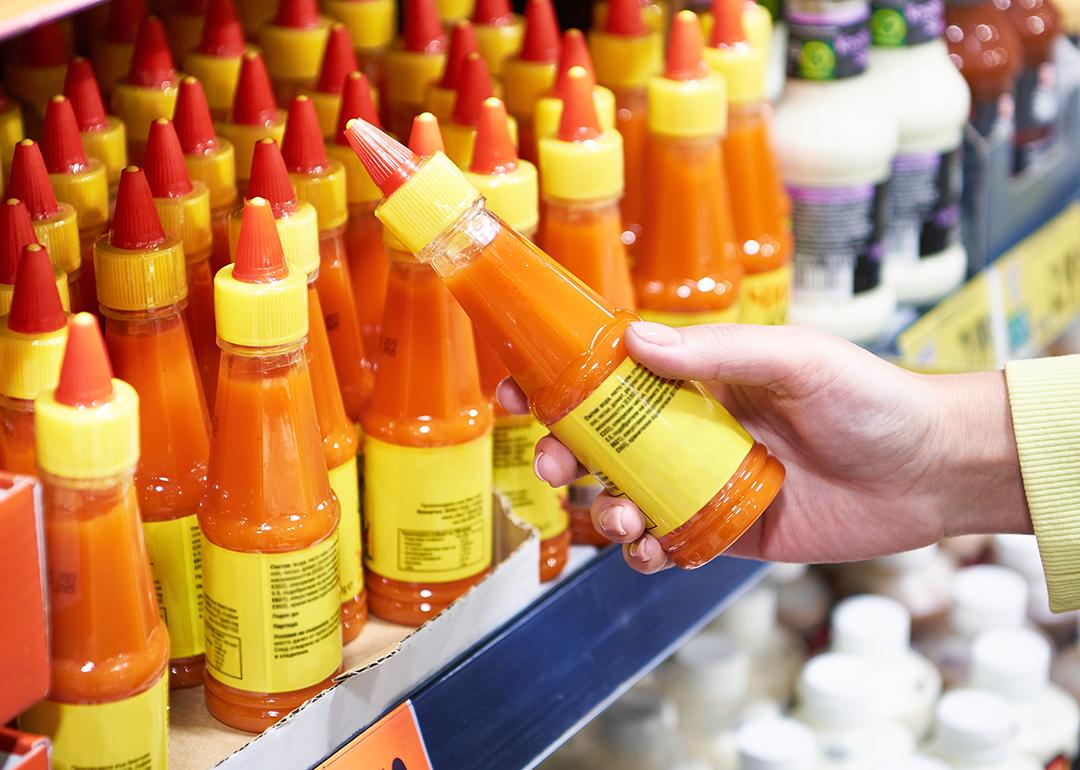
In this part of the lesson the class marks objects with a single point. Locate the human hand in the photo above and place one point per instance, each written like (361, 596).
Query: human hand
(878, 459)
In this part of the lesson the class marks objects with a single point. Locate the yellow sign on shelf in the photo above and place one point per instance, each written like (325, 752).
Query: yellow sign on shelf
(956, 335)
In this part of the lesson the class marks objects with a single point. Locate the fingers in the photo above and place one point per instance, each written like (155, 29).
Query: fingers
(617, 519)
(556, 464)
(511, 397)
(646, 556)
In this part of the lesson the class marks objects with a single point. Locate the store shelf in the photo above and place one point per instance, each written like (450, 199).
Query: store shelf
(17, 16)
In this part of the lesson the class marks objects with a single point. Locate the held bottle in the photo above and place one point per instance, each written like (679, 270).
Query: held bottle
(297, 227)
(412, 67)
(425, 543)
(687, 270)
(372, 25)
(294, 43)
(112, 51)
(142, 291)
(499, 31)
(269, 518)
(531, 73)
(17, 232)
(103, 136)
(337, 63)
(549, 107)
(562, 343)
(255, 115)
(37, 72)
(11, 131)
(183, 207)
(32, 339)
(442, 94)
(759, 203)
(628, 55)
(474, 86)
(217, 59)
(108, 694)
(150, 88)
(509, 185)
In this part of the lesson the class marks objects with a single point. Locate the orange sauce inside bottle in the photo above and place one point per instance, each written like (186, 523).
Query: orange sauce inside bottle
(199, 314)
(369, 269)
(631, 120)
(17, 436)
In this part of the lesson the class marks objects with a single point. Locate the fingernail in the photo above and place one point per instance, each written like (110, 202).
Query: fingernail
(655, 334)
(611, 520)
(536, 465)
(637, 552)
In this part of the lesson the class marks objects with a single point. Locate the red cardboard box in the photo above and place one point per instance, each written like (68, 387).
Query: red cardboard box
(23, 751)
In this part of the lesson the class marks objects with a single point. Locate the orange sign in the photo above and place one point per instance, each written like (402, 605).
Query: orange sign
(392, 743)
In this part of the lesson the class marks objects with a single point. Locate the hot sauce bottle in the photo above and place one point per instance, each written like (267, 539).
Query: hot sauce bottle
(112, 51)
(210, 160)
(255, 115)
(32, 339)
(413, 66)
(297, 227)
(103, 136)
(11, 131)
(499, 31)
(371, 25)
(442, 94)
(509, 187)
(17, 232)
(474, 86)
(183, 207)
(37, 71)
(185, 25)
(531, 73)
(337, 63)
(453, 11)
(108, 695)
(269, 518)
(216, 60)
(149, 90)
(294, 43)
(687, 270)
(429, 539)
(655, 13)
(699, 477)
(627, 54)
(575, 53)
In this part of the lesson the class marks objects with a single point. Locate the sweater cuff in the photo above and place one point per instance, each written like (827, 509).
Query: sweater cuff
(1045, 398)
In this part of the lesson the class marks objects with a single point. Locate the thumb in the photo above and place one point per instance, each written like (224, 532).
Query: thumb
(738, 354)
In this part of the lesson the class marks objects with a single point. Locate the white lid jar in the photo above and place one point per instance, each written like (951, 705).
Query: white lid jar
(776, 744)
(977, 730)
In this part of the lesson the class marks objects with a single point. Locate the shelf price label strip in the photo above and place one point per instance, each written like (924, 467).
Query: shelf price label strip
(392, 743)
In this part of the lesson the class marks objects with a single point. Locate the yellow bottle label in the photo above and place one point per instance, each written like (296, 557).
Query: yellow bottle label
(428, 510)
(727, 316)
(764, 297)
(131, 734)
(663, 443)
(175, 549)
(345, 482)
(273, 620)
(532, 499)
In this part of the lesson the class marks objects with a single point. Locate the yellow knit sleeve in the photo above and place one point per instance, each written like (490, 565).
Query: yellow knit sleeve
(1045, 398)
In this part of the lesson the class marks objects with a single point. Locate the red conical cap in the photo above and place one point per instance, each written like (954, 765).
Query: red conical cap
(494, 152)
(727, 23)
(493, 12)
(81, 87)
(192, 121)
(389, 163)
(35, 302)
(575, 53)
(85, 374)
(61, 143)
(579, 121)
(151, 63)
(338, 61)
(463, 43)
(297, 14)
(254, 104)
(356, 102)
(222, 33)
(425, 139)
(43, 46)
(684, 53)
(542, 43)
(259, 257)
(125, 18)
(135, 223)
(423, 31)
(624, 18)
(474, 87)
(165, 168)
(302, 147)
(16, 231)
(29, 181)
(270, 179)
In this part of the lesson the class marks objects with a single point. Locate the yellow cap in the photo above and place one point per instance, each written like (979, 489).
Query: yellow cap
(11, 133)
(742, 67)
(549, 112)
(29, 363)
(294, 54)
(498, 42)
(371, 23)
(87, 191)
(299, 235)
(260, 315)
(409, 74)
(325, 192)
(112, 61)
(217, 170)
(109, 145)
(358, 185)
(434, 198)
(526, 82)
(188, 217)
(626, 62)
(688, 108)
(140, 279)
(60, 236)
(513, 196)
(451, 11)
(35, 85)
(654, 14)
(139, 106)
(459, 141)
(757, 26)
(244, 138)
(7, 291)
(582, 171)
(218, 75)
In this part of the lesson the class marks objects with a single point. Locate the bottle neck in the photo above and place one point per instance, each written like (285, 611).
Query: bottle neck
(828, 41)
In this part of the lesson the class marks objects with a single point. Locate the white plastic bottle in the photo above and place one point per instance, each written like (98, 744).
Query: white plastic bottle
(836, 140)
(878, 630)
(775, 743)
(977, 730)
(776, 654)
(1021, 553)
(839, 700)
(1016, 663)
(909, 64)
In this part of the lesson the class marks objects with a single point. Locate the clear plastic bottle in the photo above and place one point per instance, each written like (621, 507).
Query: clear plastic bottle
(775, 743)
(878, 630)
(1021, 554)
(978, 730)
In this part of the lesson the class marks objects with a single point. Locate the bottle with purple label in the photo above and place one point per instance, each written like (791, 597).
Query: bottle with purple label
(836, 139)
(910, 68)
